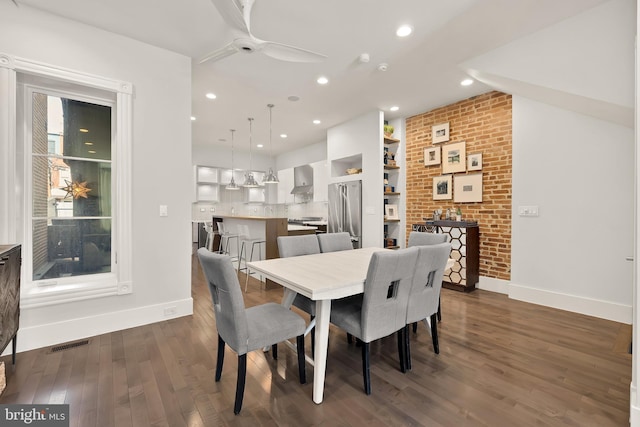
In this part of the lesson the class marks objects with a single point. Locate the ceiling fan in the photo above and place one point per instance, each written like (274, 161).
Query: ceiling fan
(237, 14)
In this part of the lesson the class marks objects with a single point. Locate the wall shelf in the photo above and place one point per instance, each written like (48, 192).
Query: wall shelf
(390, 140)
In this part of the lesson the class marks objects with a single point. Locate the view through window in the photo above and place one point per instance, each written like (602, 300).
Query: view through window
(71, 145)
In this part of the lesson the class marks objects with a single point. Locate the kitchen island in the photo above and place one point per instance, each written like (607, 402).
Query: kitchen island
(263, 227)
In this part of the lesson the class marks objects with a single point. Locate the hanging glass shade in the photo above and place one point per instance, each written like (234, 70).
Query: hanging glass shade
(271, 177)
(249, 180)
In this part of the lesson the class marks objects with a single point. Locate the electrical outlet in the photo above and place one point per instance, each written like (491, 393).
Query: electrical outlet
(528, 210)
(170, 311)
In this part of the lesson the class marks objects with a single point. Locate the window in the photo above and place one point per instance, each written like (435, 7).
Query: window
(74, 247)
(71, 222)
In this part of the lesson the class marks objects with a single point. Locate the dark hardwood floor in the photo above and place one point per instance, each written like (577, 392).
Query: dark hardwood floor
(501, 363)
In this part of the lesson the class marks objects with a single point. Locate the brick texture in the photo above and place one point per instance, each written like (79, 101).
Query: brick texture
(484, 123)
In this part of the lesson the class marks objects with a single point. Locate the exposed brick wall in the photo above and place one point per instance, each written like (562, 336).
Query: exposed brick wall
(484, 123)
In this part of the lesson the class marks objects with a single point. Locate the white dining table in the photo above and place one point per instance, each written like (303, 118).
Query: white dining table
(321, 277)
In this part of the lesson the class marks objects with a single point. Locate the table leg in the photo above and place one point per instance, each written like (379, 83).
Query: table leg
(323, 312)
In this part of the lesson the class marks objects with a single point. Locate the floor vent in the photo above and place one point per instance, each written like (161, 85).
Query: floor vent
(68, 346)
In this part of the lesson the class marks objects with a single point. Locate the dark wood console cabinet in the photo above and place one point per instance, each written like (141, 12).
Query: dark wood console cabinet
(465, 250)
(10, 262)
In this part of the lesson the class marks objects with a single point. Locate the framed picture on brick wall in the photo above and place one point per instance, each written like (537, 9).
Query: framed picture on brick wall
(440, 133)
(442, 187)
(467, 188)
(454, 158)
(474, 162)
(432, 156)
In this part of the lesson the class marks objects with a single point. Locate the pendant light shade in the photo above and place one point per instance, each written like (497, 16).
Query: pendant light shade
(232, 184)
(271, 177)
(250, 181)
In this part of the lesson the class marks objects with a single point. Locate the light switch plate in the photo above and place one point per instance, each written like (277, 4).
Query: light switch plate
(528, 210)
(370, 210)
(164, 210)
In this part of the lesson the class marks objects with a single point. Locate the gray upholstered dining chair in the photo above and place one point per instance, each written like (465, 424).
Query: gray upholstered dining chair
(382, 309)
(424, 297)
(333, 242)
(246, 329)
(419, 238)
(306, 244)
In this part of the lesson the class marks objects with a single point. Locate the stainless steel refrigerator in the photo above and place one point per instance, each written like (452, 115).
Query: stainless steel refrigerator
(345, 210)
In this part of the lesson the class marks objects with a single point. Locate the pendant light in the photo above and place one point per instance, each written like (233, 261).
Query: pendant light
(250, 181)
(271, 177)
(232, 184)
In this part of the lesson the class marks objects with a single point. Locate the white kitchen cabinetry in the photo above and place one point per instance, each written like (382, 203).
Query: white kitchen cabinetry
(254, 195)
(320, 181)
(206, 184)
(285, 186)
(225, 176)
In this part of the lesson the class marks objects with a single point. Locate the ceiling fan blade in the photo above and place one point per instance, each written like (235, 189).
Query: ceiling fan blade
(219, 54)
(232, 13)
(285, 52)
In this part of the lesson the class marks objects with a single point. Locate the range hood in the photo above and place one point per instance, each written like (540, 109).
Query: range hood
(302, 180)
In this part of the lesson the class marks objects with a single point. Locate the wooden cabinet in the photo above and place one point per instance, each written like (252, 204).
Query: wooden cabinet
(465, 251)
(10, 262)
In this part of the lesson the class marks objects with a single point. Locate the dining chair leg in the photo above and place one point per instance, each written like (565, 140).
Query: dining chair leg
(274, 351)
(302, 372)
(242, 375)
(401, 350)
(439, 312)
(407, 348)
(365, 368)
(415, 327)
(220, 360)
(349, 338)
(434, 333)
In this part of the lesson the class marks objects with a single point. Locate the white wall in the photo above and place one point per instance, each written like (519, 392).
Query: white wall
(579, 172)
(221, 157)
(363, 135)
(161, 171)
(309, 154)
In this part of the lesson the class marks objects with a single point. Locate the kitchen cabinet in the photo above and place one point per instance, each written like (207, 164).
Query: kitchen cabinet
(320, 181)
(206, 184)
(254, 195)
(285, 176)
(225, 176)
(10, 262)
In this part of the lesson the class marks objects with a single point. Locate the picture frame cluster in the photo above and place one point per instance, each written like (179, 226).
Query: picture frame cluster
(462, 188)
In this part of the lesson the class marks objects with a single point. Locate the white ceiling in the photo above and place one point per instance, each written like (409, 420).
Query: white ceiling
(422, 73)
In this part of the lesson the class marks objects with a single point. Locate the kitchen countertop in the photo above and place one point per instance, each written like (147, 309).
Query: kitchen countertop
(295, 227)
(315, 222)
(257, 218)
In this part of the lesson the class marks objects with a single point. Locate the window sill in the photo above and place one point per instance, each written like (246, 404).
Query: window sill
(34, 296)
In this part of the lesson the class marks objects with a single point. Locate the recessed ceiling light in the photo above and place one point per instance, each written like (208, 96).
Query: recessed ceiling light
(88, 143)
(394, 108)
(92, 151)
(316, 122)
(404, 30)
(283, 135)
(211, 95)
(322, 80)
(466, 82)
(193, 118)
(259, 145)
(83, 130)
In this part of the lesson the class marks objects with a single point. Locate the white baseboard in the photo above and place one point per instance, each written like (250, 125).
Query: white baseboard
(494, 285)
(634, 410)
(31, 338)
(577, 304)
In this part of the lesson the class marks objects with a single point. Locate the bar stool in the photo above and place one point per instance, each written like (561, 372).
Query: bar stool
(225, 237)
(246, 240)
(208, 243)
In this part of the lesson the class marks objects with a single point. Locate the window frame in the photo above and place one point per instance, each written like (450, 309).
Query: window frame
(15, 176)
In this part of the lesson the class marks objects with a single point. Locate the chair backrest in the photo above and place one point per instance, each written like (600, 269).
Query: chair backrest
(419, 238)
(427, 281)
(305, 244)
(386, 292)
(332, 242)
(221, 227)
(228, 304)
